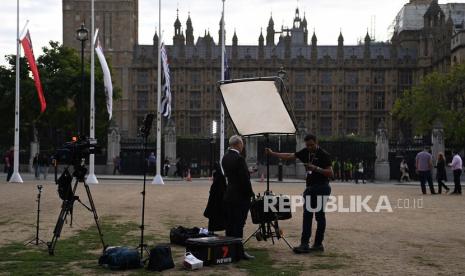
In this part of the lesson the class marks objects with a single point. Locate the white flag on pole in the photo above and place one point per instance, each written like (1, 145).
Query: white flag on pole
(106, 79)
(166, 83)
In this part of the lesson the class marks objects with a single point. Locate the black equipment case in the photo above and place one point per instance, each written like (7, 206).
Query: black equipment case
(259, 215)
(216, 250)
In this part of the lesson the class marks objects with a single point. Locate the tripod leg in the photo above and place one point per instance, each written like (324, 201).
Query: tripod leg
(254, 233)
(65, 209)
(94, 211)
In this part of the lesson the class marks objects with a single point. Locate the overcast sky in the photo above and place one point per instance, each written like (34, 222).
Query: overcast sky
(327, 17)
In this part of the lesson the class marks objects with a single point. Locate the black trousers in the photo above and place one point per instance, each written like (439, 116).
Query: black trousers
(236, 216)
(312, 193)
(9, 173)
(442, 185)
(458, 186)
(425, 176)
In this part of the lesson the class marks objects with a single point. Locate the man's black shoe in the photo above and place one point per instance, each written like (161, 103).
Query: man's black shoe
(301, 249)
(317, 248)
(247, 256)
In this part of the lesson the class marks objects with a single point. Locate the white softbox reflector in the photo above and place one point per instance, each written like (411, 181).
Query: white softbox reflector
(256, 107)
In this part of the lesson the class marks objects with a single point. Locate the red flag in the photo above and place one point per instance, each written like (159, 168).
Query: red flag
(27, 46)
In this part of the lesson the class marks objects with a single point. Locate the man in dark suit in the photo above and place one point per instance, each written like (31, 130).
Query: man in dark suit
(239, 191)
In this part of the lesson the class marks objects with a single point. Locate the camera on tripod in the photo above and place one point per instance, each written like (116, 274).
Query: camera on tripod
(79, 148)
(75, 152)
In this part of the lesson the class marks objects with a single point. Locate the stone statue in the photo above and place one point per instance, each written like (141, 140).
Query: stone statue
(382, 167)
(382, 143)
(437, 139)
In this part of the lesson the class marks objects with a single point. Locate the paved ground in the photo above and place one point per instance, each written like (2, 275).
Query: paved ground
(413, 241)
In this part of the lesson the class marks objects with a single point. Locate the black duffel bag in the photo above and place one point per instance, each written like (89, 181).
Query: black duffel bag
(120, 258)
(180, 234)
(160, 258)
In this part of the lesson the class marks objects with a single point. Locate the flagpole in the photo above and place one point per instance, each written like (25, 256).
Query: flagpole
(91, 178)
(223, 48)
(158, 180)
(16, 177)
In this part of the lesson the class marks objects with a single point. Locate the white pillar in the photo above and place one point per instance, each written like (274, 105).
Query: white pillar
(16, 177)
(91, 178)
(158, 180)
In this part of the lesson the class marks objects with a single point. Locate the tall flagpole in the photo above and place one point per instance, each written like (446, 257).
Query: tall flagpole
(16, 178)
(91, 178)
(223, 49)
(158, 179)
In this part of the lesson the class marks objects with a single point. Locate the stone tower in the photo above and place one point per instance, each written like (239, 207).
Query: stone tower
(189, 31)
(117, 21)
(270, 32)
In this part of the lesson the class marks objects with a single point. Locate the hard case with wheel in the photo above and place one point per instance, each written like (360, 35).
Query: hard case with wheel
(216, 250)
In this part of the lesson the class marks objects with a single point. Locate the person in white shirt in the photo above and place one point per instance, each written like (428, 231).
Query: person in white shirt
(405, 176)
(456, 166)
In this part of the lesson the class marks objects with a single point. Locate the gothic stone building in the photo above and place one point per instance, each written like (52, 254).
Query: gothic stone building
(334, 90)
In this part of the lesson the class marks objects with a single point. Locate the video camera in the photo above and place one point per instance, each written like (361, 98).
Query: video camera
(74, 151)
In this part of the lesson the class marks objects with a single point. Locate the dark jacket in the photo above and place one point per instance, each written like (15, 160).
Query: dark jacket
(441, 170)
(239, 188)
(215, 208)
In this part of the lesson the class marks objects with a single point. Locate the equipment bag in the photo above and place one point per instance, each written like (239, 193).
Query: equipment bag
(216, 250)
(180, 234)
(120, 258)
(65, 191)
(160, 258)
(260, 215)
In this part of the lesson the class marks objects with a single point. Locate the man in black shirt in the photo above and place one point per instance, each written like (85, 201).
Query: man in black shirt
(319, 170)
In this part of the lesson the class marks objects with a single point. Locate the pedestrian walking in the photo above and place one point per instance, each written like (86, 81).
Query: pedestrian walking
(116, 165)
(35, 165)
(457, 166)
(152, 162)
(441, 175)
(43, 165)
(424, 165)
(404, 173)
(9, 162)
(360, 173)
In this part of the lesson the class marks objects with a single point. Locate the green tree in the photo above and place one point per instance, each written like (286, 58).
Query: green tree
(60, 73)
(438, 97)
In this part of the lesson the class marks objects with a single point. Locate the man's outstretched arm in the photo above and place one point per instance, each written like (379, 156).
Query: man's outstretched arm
(283, 156)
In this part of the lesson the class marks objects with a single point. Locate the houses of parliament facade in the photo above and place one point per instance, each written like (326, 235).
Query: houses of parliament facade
(333, 90)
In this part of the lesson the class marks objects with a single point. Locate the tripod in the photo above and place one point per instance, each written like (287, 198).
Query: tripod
(269, 228)
(144, 132)
(68, 204)
(36, 240)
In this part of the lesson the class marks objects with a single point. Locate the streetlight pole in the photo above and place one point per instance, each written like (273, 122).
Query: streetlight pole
(81, 35)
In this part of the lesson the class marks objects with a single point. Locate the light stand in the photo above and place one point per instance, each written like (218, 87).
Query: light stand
(283, 75)
(270, 228)
(144, 132)
(253, 118)
(36, 240)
